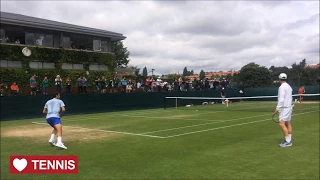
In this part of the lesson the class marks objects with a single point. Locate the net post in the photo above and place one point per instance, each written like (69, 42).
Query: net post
(176, 103)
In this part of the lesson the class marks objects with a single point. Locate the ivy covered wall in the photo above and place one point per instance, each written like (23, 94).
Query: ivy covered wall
(22, 75)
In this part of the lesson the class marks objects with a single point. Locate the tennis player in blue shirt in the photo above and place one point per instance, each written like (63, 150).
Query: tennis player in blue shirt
(54, 109)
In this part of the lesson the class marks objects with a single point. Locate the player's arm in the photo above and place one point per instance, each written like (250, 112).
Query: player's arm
(63, 109)
(280, 99)
(45, 109)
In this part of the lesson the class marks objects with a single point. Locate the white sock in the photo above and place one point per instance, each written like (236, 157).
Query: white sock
(52, 138)
(59, 139)
(287, 138)
(290, 135)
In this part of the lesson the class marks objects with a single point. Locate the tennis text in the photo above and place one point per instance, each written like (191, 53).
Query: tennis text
(43, 164)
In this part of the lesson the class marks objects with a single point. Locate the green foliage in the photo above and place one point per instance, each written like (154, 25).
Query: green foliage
(186, 72)
(253, 76)
(122, 54)
(202, 74)
(145, 72)
(57, 56)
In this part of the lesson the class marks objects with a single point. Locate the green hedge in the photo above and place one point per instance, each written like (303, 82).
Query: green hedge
(58, 56)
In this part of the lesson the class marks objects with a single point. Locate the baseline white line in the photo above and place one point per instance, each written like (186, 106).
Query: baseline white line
(105, 131)
(223, 127)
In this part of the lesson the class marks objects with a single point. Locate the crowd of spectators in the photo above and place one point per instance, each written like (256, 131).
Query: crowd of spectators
(104, 85)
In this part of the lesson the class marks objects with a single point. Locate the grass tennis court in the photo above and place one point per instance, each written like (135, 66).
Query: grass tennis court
(198, 142)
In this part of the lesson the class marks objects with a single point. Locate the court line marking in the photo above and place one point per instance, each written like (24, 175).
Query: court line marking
(223, 127)
(218, 121)
(221, 121)
(118, 132)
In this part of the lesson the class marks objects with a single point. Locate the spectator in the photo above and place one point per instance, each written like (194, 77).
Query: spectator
(39, 41)
(223, 95)
(17, 41)
(68, 85)
(6, 39)
(3, 88)
(116, 83)
(110, 85)
(58, 83)
(97, 84)
(72, 45)
(159, 84)
(129, 87)
(103, 84)
(85, 82)
(33, 85)
(80, 84)
(124, 84)
(15, 89)
(45, 85)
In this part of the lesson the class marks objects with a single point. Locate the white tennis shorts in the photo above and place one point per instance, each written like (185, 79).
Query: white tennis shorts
(285, 114)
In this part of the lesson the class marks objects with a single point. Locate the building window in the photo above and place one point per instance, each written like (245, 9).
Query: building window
(104, 46)
(66, 66)
(97, 45)
(35, 65)
(48, 65)
(11, 64)
(2, 35)
(39, 39)
(48, 40)
(96, 67)
(66, 42)
(72, 66)
(103, 68)
(29, 39)
(78, 66)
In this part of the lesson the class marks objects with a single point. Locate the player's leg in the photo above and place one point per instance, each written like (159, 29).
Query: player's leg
(58, 127)
(289, 127)
(54, 132)
(285, 116)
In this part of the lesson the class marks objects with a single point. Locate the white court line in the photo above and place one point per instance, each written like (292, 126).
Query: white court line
(219, 121)
(118, 132)
(223, 127)
(194, 114)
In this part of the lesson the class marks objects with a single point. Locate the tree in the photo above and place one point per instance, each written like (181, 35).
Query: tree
(185, 72)
(122, 54)
(136, 70)
(191, 73)
(145, 72)
(297, 70)
(202, 74)
(276, 71)
(253, 76)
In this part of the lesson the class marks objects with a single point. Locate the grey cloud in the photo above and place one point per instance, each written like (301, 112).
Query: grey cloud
(208, 35)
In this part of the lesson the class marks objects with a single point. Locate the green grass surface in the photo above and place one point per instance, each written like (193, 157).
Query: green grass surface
(199, 142)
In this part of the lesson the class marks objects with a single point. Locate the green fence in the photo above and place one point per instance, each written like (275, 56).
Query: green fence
(21, 107)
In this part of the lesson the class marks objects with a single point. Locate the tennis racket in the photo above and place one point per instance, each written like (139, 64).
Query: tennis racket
(275, 117)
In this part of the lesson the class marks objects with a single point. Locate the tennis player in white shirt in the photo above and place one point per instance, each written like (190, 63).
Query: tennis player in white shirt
(284, 107)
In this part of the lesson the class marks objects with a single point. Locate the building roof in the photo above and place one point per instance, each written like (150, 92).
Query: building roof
(313, 66)
(28, 21)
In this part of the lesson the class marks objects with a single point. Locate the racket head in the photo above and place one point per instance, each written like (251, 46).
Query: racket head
(275, 118)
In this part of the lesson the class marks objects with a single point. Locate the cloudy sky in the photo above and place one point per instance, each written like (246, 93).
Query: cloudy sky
(208, 35)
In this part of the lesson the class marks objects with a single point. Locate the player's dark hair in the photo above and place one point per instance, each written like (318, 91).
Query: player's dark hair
(55, 94)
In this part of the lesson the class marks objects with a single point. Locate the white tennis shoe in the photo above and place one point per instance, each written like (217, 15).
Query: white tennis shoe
(52, 143)
(61, 145)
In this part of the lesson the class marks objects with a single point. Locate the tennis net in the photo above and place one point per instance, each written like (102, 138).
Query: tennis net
(252, 104)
